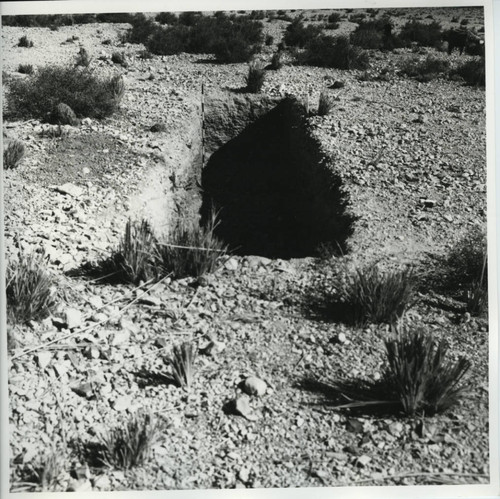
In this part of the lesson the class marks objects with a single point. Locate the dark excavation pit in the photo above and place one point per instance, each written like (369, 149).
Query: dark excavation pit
(273, 192)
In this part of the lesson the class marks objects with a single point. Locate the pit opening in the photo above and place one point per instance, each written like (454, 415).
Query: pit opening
(275, 194)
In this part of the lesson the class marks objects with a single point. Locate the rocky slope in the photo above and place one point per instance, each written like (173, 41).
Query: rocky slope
(395, 144)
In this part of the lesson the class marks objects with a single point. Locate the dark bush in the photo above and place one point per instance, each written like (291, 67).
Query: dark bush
(430, 68)
(169, 41)
(255, 78)
(119, 58)
(167, 18)
(473, 72)
(325, 104)
(83, 58)
(276, 61)
(189, 18)
(142, 29)
(38, 96)
(24, 41)
(464, 22)
(374, 34)
(299, 35)
(334, 52)
(230, 40)
(269, 40)
(114, 17)
(334, 17)
(357, 18)
(425, 34)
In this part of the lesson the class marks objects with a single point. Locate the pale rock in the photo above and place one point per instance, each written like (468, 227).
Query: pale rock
(70, 189)
(96, 301)
(254, 386)
(120, 338)
(43, 359)
(231, 264)
(73, 318)
(242, 407)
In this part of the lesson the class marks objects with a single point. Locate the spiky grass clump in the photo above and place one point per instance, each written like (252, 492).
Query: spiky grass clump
(191, 250)
(47, 475)
(129, 445)
(467, 269)
(325, 104)
(29, 288)
(133, 261)
(182, 363)
(256, 76)
(420, 376)
(13, 154)
(378, 296)
(26, 69)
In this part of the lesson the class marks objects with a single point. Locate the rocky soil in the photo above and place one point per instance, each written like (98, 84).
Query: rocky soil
(396, 144)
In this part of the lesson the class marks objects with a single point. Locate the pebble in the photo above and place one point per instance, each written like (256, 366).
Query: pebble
(73, 318)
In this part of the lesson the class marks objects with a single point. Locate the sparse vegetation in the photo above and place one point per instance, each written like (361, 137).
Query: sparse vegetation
(86, 94)
(119, 58)
(325, 104)
(29, 288)
(334, 52)
(166, 18)
(276, 61)
(182, 363)
(191, 250)
(473, 72)
(26, 69)
(425, 34)
(47, 475)
(25, 42)
(128, 445)
(422, 379)
(297, 34)
(430, 68)
(83, 58)
(13, 154)
(133, 261)
(373, 295)
(375, 34)
(256, 77)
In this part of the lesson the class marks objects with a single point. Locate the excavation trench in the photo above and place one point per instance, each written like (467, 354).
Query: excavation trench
(275, 192)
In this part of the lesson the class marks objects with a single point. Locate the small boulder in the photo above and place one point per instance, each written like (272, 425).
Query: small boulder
(73, 318)
(254, 386)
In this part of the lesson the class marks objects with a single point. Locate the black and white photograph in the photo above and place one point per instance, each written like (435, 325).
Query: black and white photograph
(249, 246)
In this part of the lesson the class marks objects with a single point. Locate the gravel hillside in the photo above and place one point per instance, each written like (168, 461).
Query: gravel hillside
(412, 157)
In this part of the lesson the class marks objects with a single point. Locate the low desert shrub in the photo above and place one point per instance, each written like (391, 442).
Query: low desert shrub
(114, 17)
(357, 18)
(13, 154)
(169, 41)
(25, 42)
(255, 77)
(325, 104)
(373, 295)
(375, 34)
(334, 17)
(333, 52)
(420, 376)
(297, 34)
(37, 96)
(425, 34)
(430, 68)
(129, 444)
(182, 364)
(191, 250)
(29, 288)
(269, 40)
(473, 72)
(26, 69)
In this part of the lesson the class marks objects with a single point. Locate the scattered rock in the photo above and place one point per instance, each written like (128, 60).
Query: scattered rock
(242, 407)
(43, 359)
(231, 264)
(64, 115)
(70, 189)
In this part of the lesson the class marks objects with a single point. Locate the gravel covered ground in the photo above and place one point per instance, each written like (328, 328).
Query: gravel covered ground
(395, 144)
